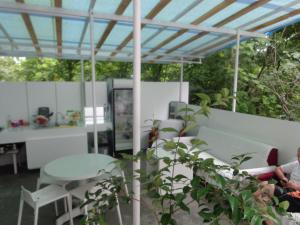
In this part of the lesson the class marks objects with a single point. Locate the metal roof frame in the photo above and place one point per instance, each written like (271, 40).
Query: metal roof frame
(60, 13)
(151, 53)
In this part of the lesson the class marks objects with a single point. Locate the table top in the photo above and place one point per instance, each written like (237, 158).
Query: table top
(79, 167)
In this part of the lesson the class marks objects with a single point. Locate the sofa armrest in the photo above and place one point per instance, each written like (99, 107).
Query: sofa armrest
(260, 170)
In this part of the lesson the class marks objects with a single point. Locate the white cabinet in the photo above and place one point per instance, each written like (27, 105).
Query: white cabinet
(42, 150)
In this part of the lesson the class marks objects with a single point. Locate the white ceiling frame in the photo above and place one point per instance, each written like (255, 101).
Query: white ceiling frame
(76, 14)
(283, 8)
(31, 54)
(86, 23)
(51, 46)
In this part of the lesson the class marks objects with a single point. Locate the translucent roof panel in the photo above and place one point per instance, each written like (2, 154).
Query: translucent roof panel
(43, 27)
(30, 29)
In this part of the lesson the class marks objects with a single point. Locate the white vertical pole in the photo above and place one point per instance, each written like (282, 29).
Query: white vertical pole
(136, 107)
(93, 81)
(181, 80)
(236, 70)
(82, 80)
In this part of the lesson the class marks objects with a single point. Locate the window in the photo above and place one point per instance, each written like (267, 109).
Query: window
(88, 115)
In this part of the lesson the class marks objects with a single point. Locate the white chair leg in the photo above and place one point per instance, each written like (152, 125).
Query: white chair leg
(125, 184)
(55, 208)
(65, 205)
(38, 184)
(36, 215)
(69, 199)
(14, 156)
(20, 211)
(119, 211)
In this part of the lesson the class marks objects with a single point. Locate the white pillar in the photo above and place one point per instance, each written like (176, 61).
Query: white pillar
(93, 82)
(136, 107)
(181, 80)
(82, 80)
(236, 70)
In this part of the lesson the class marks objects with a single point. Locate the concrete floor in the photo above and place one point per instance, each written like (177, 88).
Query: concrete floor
(9, 204)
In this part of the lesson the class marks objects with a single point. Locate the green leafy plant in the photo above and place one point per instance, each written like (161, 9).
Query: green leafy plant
(218, 191)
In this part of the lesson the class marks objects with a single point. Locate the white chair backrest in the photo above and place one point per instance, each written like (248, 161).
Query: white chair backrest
(27, 196)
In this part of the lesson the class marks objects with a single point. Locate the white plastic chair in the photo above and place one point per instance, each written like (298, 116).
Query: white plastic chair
(43, 197)
(91, 187)
(44, 179)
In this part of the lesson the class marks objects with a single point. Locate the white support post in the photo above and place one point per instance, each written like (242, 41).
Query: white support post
(181, 80)
(82, 80)
(236, 71)
(93, 82)
(136, 108)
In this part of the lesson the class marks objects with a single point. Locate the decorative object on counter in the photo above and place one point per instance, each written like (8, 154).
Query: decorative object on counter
(74, 117)
(16, 123)
(45, 111)
(43, 117)
(41, 121)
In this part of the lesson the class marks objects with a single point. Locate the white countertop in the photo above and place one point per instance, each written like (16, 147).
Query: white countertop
(14, 135)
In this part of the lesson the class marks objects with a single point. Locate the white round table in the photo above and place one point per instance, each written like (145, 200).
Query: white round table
(79, 167)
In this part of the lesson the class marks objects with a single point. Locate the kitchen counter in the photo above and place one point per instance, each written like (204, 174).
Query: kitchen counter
(46, 144)
(14, 135)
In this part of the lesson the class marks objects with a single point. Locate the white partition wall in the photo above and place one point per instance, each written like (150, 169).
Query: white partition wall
(101, 93)
(41, 94)
(13, 102)
(68, 96)
(156, 97)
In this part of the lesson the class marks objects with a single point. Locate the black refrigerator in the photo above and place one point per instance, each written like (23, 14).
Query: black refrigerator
(121, 108)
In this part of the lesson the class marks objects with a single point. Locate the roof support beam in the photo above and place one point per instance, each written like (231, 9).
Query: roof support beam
(236, 71)
(58, 26)
(120, 10)
(51, 46)
(30, 28)
(221, 23)
(136, 185)
(160, 6)
(93, 63)
(9, 38)
(29, 54)
(199, 20)
(86, 23)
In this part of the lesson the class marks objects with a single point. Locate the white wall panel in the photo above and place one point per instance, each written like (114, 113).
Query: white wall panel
(68, 96)
(101, 93)
(41, 94)
(13, 102)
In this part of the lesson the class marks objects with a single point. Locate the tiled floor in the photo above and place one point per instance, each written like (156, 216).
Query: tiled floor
(9, 204)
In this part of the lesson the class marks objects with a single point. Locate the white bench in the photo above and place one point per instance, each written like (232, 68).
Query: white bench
(221, 146)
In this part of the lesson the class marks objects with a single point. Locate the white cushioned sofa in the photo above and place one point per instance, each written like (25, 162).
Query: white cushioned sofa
(221, 146)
